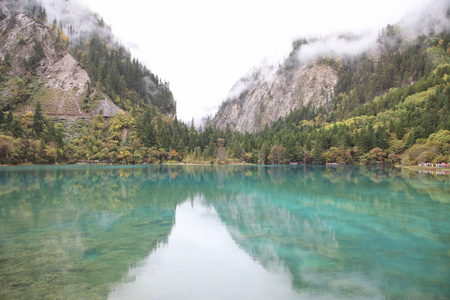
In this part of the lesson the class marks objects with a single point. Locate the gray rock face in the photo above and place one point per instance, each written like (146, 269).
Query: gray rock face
(58, 68)
(106, 108)
(268, 94)
(263, 97)
(64, 81)
(67, 75)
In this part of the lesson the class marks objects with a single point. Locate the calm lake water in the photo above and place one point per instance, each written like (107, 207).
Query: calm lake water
(193, 232)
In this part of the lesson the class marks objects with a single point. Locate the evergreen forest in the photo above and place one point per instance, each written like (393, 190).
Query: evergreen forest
(386, 110)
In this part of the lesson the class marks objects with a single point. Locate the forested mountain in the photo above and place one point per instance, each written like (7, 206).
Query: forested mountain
(36, 67)
(111, 71)
(123, 78)
(336, 73)
(49, 84)
(386, 104)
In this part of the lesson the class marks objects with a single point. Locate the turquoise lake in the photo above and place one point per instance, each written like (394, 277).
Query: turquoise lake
(234, 232)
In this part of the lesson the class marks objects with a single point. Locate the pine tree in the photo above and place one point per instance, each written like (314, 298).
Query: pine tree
(317, 151)
(263, 154)
(289, 153)
(150, 135)
(9, 119)
(382, 138)
(38, 120)
(16, 128)
(166, 139)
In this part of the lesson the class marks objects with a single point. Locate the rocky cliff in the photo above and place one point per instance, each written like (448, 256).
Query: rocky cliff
(309, 75)
(34, 59)
(266, 95)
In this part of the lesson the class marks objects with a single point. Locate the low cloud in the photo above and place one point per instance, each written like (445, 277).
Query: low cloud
(264, 72)
(76, 14)
(339, 46)
(432, 17)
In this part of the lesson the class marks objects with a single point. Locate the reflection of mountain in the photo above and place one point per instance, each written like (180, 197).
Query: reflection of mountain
(213, 266)
(72, 233)
(75, 231)
(274, 233)
(312, 228)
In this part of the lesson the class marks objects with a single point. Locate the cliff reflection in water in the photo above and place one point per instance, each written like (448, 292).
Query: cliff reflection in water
(76, 231)
(347, 231)
(72, 232)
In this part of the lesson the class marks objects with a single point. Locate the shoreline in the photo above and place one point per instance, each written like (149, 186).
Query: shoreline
(412, 168)
(422, 168)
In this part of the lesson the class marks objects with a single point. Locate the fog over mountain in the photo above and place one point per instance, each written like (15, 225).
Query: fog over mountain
(270, 91)
(202, 48)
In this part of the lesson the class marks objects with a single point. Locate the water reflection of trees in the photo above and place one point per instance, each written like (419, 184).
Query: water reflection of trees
(123, 213)
(105, 188)
(271, 223)
(73, 232)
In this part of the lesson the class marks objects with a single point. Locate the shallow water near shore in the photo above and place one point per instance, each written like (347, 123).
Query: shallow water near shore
(237, 232)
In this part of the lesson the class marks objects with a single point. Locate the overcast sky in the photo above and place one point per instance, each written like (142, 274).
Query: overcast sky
(203, 47)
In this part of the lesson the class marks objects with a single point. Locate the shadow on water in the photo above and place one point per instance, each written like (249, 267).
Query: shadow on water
(352, 232)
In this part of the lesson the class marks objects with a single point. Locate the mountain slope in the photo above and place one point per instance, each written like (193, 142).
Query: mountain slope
(37, 68)
(109, 63)
(90, 73)
(351, 104)
(338, 73)
(266, 98)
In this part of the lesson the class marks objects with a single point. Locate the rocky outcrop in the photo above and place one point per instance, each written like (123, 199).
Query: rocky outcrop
(67, 75)
(264, 96)
(106, 108)
(64, 82)
(269, 93)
